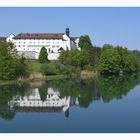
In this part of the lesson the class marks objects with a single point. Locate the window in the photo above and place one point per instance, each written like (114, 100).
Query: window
(18, 45)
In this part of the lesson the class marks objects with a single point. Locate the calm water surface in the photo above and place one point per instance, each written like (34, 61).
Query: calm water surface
(109, 104)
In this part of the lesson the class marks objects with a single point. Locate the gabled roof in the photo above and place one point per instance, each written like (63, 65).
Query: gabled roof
(3, 39)
(39, 36)
(73, 38)
(60, 49)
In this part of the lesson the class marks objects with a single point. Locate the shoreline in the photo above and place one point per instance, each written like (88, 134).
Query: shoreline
(33, 79)
(38, 77)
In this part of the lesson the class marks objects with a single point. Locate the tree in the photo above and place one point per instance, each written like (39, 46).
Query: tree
(93, 56)
(72, 57)
(107, 46)
(6, 113)
(116, 60)
(85, 42)
(7, 94)
(21, 70)
(8, 61)
(137, 56)
(109, 61)
(84, 59)
(115, 87)
(43, 56)
(63, 56)
(43, 91)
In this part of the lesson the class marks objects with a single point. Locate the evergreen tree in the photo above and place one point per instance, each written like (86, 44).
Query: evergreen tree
(43, 56)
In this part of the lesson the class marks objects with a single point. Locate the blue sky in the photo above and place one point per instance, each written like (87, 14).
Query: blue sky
(117, 26)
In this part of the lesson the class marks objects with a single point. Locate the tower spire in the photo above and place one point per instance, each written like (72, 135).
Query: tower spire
(67, 31)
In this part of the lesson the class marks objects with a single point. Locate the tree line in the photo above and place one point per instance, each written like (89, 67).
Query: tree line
(106, 60)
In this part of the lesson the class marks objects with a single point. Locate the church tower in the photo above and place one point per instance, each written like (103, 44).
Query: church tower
(67, 32)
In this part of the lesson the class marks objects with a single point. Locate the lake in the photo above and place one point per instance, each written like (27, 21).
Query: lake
(107, 104)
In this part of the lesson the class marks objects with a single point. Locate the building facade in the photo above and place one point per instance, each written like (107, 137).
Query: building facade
(2, 39)
(30, 44)
(53, 102)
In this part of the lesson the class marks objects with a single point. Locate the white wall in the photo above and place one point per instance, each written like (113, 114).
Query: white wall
(67, 42)
(10, 38)
(53, 56)
(35, 45)
(34, 100)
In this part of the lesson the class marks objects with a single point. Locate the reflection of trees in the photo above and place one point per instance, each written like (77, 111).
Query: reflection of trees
(7, 92)
(85, 91)
(67, 113)
(43, 91)
(7, 113)
(116, 87)
(89, 90)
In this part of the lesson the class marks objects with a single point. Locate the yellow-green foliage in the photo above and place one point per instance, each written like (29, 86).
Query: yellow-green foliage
(33, 66)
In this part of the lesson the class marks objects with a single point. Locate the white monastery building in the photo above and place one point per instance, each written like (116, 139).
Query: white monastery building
(30, 44)
(33, 102)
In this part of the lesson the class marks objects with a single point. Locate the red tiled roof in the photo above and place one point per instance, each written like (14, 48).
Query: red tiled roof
(39, 109)
(39, 36)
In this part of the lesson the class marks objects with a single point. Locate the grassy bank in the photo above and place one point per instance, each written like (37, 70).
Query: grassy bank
(33, 79)
(35, 74)
(33, 66)
(88, 74)
(57, 77)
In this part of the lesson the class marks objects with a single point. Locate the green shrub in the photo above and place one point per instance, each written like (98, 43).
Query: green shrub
(56, 68)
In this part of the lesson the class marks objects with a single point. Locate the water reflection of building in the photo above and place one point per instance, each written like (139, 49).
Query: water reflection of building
(33, 102)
